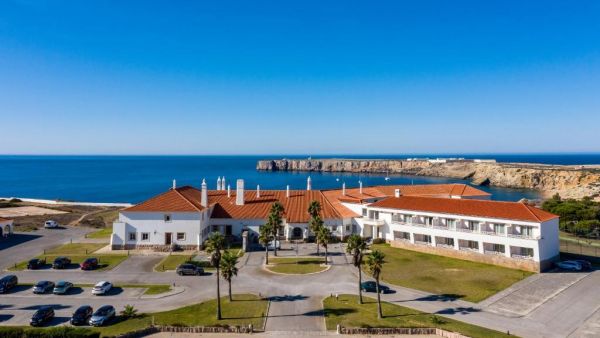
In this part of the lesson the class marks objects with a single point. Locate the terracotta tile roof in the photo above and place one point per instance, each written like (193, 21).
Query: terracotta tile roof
(183, 199)
(5, 219)
(468, 207)
(296, 206)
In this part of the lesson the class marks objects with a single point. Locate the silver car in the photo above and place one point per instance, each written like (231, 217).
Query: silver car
(569, 265)
(101, 288)
(102, 315)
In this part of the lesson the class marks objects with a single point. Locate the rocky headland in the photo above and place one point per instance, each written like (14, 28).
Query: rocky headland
(568, 181)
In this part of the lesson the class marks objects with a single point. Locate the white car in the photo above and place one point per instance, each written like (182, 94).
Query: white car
(50, 224)
(273, 244)
(102, 288)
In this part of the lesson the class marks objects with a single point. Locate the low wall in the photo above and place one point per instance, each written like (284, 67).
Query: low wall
(470, 256)
(417, 331)
(156, 248)
(188, 329)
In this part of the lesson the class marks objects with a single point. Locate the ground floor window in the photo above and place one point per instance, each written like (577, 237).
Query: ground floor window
(145, 236)
(347, 228)
(181, 236)
(132, 236)
(228, 230)
(445, 241)
(334, 228)
(402, 235)
(528, 252)
(215, 228)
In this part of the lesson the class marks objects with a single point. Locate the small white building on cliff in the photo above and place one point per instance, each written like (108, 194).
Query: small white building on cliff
(454, 220)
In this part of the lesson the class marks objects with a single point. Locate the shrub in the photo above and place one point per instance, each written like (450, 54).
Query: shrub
(437, 320)
(129, 311)
(378, 241)
(55, 332)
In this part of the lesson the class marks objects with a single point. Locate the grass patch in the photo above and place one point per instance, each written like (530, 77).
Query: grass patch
(75, 249)
(171, 262)
(102, 233)
(295, 265)
(347, 312)
(151, 289)
(470, 281)
(244, 310)
(106, 262)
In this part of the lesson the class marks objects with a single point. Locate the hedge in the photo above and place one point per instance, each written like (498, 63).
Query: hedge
(54, 332)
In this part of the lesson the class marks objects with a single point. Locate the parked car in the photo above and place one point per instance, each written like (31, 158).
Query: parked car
(61, 262)
(273, 244)
(8, 282)
(43, 287)
(102, 315)
(101, 288)
(569, 265)
(62, 287)
(89, 264)
(82, 315)
(50, 224)
(35, 263)
(371, 286)
(585, 265)
(42, 315)
(189, 269)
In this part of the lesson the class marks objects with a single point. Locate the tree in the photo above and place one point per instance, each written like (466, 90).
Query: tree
(324, 236)
(229, 268)
(315, 223)
(264, 237)
(274, 222)
(214, 246)
(375, 261)
(129, 311)
(356, 247)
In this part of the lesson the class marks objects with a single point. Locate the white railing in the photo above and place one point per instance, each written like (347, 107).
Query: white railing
(447, 246)
(464, 248)
(441, 227)
(523, 236)
(423, 243)
(521, 257)
(373, 221)
(493, 252)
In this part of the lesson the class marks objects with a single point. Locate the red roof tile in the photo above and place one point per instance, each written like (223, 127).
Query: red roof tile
(184, 199)
(467, 207)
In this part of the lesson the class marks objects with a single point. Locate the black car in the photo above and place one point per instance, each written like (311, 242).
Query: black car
(61, 262)
(42, 315)
(189, 269)
(8, 282)
(371, 286)
(82, 315)
(585, 265)
(43, 287)
(35, 264)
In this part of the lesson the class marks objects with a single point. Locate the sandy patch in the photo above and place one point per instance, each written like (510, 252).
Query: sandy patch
(28, 211)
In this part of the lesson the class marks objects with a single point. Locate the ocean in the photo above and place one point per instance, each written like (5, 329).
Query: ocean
(135, 178)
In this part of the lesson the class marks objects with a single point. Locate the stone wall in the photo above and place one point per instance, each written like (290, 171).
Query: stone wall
(156, 248)
(520, 264)
(400, 331)
(187, 329)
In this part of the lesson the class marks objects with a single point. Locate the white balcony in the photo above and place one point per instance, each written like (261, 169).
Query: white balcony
(373, 221)
(522, 257)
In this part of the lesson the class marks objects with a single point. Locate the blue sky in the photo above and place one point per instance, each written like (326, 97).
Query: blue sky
(299, 77)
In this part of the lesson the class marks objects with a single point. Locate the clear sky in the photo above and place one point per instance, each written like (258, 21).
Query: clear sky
(299, 77)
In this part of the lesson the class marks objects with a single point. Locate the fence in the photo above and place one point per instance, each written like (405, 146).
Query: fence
(579, 248)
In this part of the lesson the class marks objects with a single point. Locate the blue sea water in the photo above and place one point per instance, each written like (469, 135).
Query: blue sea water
(135, 178)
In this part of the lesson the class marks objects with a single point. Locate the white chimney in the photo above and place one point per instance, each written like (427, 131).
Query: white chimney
(228, 190)
(223, 183)
(397, 193)
(344, 189)
(287, 191)
(219, 183)
(174, 184)
(258, 190)
(239, 193)
(360, 187)
(204, 194)
(308, 184)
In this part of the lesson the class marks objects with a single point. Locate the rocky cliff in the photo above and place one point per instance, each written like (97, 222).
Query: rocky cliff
(568, 181)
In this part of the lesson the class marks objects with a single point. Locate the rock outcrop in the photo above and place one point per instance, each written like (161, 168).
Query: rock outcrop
(568, 181)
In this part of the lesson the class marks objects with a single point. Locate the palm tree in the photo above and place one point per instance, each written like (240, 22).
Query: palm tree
(274, 222)
(214, 245)
(264, 238)
(315, 223)
(324, 236)
(356, 247)
(375, 261)
(229, 268)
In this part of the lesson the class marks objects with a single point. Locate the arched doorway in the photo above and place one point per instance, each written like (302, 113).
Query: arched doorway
(297, 233)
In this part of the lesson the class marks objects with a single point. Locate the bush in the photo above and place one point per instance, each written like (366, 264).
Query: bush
(129, 312)
(378, 241)
(55, 332)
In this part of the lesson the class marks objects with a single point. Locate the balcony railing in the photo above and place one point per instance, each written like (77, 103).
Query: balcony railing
(373, 221)
(466, 248)
(422, 243)
(457, 229)
(523, 236)
(521, 257)
(447, 246)
(493, 252)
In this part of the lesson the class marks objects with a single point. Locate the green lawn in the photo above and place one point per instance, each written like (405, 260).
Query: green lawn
(75, 249)
(102, 233)
(444, 275)
(347, 312)
(106, 262)
(171, 262)
(295, 265)
(244, 310)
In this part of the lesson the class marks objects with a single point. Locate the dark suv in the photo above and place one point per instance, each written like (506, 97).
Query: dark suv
(189, 269)
(82, 315)
(89, 264)
(35, 264)
(8, 282)
(42, 315)
(61, 262)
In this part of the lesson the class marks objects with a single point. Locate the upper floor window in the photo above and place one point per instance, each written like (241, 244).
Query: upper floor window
(364, 211)
(167, 217)
(499, 228)
(429, 220)
(473, 225)
(527, 231)
(451, 223)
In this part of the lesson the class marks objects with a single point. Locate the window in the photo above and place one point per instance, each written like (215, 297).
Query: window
(181, 236)
(526, 231)
(429, 220)
(499, 229)
(473, 226)
(401, 235)
(145, 236)
(498, 247)
(132, 236)
(167, 218)
(528, 252)
(408, 218)
(334, 228)
(451, 223)
(473, 245)
(215, 228)
(347, 227)
(364, 212)
(228, 230)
